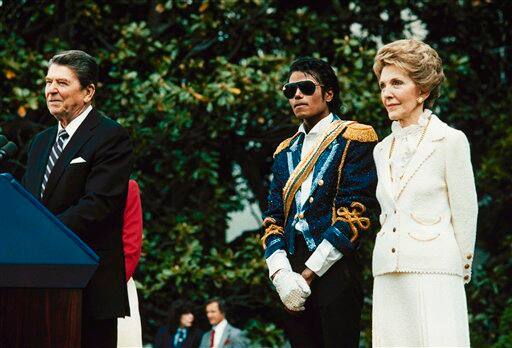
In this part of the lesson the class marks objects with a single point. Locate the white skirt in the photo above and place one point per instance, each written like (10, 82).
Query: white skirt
(129, 330)
(419, 310)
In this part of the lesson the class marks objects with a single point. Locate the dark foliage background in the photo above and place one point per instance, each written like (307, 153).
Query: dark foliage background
(197, 84)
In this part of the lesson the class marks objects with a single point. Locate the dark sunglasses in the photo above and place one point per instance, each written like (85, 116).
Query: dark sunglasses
(307, 87)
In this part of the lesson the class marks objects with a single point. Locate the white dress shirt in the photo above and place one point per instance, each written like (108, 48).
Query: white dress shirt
(219, 330)
(325, 255)
(73, 125)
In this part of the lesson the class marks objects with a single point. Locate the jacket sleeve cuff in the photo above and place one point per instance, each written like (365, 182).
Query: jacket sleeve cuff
(273, 243)
(324, 256)
(339, 240)
(467, 262)
(277, 261)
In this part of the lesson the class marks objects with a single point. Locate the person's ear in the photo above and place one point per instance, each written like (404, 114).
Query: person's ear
(422, 97)
(329, 95)
(89, 93)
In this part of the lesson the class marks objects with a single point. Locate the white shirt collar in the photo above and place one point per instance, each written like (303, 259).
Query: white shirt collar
(320, 127)
(77, 121)
(220, 326)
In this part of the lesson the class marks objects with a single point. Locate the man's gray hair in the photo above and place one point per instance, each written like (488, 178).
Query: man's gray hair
(84, 65)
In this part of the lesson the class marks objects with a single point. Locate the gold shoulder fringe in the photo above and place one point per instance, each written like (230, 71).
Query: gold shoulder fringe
(360, 132)
(285, 143)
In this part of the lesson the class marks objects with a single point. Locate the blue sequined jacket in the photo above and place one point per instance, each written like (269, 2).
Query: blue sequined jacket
(343, 188)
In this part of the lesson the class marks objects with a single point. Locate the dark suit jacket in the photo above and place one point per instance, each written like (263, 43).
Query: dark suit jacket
(89, 198)
(333, 192)
(164, 338)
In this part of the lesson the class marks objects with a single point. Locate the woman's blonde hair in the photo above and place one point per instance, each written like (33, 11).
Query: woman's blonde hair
(419, 60)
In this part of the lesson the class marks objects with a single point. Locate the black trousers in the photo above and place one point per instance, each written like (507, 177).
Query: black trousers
(333, 310)
(99, 333)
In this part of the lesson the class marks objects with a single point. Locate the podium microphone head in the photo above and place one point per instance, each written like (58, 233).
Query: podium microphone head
(8, 150)
(3, 140)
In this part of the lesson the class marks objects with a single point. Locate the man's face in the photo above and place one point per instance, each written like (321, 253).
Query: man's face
(214, 314)
(306, 106)
(65, 97)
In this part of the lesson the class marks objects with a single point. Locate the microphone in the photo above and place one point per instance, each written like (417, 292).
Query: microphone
(8, 150)
(3, 140)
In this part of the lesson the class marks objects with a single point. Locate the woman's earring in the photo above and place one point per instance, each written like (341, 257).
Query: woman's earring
(419, 100)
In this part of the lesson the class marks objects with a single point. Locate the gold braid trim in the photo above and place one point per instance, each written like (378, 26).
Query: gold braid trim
(270, 230)
(354, 218)
(340, 170)
(360, 132)
(306, 165)
(284, 144)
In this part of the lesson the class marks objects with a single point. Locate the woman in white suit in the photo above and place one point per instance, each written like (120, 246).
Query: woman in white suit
(424, 250)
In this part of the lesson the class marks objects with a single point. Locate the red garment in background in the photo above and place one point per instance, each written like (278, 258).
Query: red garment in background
(132, 229)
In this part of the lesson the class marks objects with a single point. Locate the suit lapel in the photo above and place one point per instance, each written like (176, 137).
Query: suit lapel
(42, 161)
(323, 158)
(426, 148)
(81, 136)
(295, 151)
(225, 336)
(323, 162)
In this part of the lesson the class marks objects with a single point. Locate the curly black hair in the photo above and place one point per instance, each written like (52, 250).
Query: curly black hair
(324, 74)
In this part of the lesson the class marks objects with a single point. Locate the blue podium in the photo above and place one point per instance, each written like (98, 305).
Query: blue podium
(43, 268)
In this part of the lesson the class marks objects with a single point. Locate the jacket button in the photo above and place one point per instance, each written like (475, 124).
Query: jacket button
(466, 277)
(394, 229)
(395, 211)
(469, 257)
(311, 199)
(320, 182)
(393, 250)
(466, 266)
(301, 216)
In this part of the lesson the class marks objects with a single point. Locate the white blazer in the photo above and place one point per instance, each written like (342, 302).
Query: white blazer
(430, 225)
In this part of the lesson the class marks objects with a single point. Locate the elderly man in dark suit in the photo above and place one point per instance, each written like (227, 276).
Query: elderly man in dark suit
(79, 169)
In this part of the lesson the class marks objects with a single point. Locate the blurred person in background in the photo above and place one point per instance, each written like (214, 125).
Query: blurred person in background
(222, 334)
(179, 331)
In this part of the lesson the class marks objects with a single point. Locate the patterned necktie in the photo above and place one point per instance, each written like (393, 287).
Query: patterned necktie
(212, 337)
(54, 156)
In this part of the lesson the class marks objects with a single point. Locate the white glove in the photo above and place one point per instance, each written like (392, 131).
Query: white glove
(292, 289)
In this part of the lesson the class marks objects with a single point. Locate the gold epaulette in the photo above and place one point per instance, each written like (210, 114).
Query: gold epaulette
(285, 143)
(360, 132)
